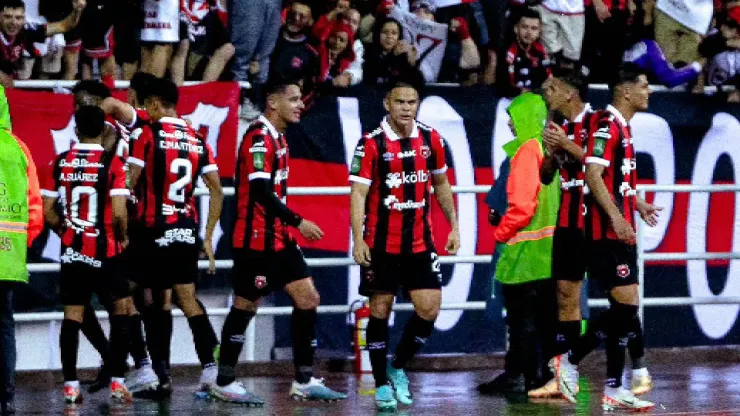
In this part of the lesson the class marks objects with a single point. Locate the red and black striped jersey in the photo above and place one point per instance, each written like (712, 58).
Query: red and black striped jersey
(572, 173)
(172, 156)
(85, 178)
(612, 5)
(610, 145)
(399, 172)
(263, 155)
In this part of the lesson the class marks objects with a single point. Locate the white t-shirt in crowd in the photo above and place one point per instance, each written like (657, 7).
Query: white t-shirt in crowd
(564, 6)
(694, 14)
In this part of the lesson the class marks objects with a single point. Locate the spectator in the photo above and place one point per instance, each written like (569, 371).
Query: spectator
(461, 62)
(19, 36)
(499, 29)
(53, 10)
(96, 33)
(527, 61)
(722, 49)
(607, 21)
(50, 51)
(211, 50)
(336, 55)
(129, 18)
(20, 184)
(647, 55)
(321, 30)
(293, 57)
(254, 28)
(563, 26)
(159, 34)
(680, 26)
(389, 57)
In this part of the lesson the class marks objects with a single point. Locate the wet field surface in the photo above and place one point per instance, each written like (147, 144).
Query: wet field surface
(711, 389)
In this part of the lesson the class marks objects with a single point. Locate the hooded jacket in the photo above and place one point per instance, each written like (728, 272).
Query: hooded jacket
(21, 208)
(528, 224)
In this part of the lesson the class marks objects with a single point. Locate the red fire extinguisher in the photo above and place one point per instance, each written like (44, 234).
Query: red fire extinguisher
(360, 315)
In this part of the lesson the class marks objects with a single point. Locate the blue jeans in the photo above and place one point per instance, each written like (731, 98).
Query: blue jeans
(7, 343)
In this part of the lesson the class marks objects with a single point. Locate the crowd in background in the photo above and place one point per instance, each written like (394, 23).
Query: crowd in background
(512, 44)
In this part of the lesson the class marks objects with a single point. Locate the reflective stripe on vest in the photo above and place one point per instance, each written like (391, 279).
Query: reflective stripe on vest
(532, 235)
(14, 227)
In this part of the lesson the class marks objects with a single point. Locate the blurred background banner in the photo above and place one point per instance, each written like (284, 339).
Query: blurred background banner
(683, 140)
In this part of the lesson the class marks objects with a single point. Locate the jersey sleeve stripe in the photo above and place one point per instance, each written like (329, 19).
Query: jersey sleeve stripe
(258, 175)
(49, 194)
(209, 168)
(360, 179)
(440, 171)
(135, 161)
(120, 192)
(598, 161)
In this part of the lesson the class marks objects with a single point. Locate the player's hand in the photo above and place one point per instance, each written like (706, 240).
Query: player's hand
(79, 5)
(555, 137)
(648, 212)
(124, 243)
(208, 248)
(361, 253)
(310, 230)
(453, 242)
(623, 229)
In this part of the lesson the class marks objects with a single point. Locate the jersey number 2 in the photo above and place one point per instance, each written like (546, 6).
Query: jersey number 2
(183, 168)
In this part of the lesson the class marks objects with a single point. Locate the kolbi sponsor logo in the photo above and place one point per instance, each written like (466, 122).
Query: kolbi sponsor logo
(391, 202)
(628, 165)
(71, 256)
(281, 175)
(176, 235)
(626, 189)
(396, 179)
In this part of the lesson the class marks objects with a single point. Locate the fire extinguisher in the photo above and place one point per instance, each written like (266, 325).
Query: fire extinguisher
(359, 316)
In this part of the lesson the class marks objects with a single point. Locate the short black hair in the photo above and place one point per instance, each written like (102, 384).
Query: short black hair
(140, 83)
(627, 72)
(92, 87)
(528, 13)
(163, 89)
(574, 78)
(90, 121)
(12, 4)
(279, 85)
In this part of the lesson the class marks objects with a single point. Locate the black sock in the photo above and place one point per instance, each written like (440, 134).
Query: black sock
(636, 344)
(596, 333)
(69, 342)
(149, 318)
(232, 341)
(303, 330)
(119, 340)
(415, 335)
(377, 345)
(159, 338)
(622, 316)
(567, 336)
(138, 344)
(204, 339)
(94, 333)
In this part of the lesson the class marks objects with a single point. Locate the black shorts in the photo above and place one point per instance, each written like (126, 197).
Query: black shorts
(160, 263)
(569, 254)
(257, 273)
(612, 263)
(389, 272)
(80, 280)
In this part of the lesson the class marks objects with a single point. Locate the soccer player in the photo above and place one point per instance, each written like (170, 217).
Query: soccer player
(266, 255)
(91, 185)
(167, 157)
(115, 140)
(611, 176)
(392, 174)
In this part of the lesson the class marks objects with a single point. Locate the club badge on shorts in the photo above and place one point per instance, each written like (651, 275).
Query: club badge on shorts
(260, 282)
(623, 271)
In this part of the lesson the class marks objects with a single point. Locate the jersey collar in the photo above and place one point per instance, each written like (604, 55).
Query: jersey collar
(392, 134)
(87, 146)
(270, 127)
(610, 108)
(173, 120)
(579, 117)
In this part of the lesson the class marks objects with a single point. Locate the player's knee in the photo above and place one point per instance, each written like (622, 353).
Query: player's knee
(622, 315)
(428, 312)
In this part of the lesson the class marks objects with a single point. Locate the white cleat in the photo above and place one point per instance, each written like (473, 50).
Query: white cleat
(235, 392)
(620, 398)
(142, 379)
(208, 378)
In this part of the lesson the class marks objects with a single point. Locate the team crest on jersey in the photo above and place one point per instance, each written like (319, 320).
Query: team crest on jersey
(260, 282)
(623, 271)
(425, 151)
